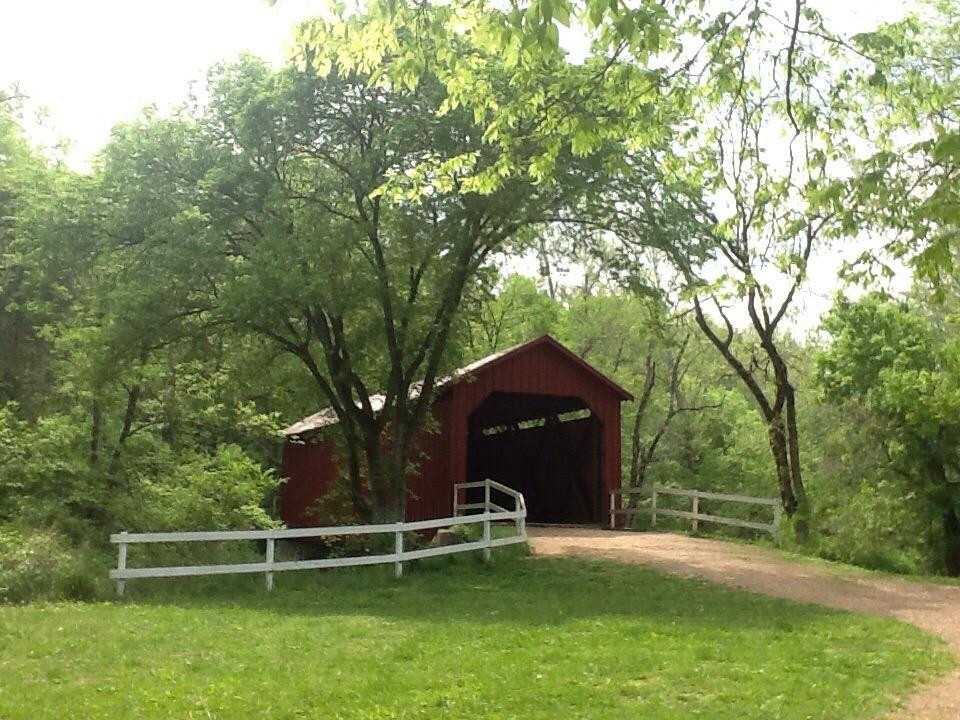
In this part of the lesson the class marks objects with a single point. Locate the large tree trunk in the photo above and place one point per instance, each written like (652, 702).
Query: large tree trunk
(360, 505)
(126, 430)
(399, 464)
(951, 537)
(801, 524)
(352, 445)
(377, 477)
(96, 430)
(386, 450)
(777, 437)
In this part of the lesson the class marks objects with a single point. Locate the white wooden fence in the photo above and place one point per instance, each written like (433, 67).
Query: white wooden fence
(489, 512)
(695, 515)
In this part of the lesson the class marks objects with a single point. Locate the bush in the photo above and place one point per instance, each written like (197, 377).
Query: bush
(58, 508)
(44, 476)
(879, 526)
(221, 491)
(40, 565)
(196, 491)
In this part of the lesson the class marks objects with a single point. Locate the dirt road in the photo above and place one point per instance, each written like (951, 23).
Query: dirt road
(934, 608)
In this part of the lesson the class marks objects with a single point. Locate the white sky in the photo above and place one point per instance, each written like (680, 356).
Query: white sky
(93, 63)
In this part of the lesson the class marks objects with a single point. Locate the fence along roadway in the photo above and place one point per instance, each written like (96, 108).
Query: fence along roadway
(696, 516)
(490, 513)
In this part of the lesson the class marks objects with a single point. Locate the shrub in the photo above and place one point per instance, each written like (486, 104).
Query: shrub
(196, 491)
(221, 491)
(879, 526)
(40, 565)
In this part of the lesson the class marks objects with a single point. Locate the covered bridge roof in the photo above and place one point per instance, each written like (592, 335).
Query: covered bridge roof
(328, 416)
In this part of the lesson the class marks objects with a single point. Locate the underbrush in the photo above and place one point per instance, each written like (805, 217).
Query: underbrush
(42, 565)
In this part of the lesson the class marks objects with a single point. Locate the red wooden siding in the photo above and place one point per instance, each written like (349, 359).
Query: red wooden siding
(310, 469)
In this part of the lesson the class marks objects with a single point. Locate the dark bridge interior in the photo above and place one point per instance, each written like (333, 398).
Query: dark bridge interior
(547, 447)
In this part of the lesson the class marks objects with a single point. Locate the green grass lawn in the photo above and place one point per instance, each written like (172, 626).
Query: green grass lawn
(522, 638)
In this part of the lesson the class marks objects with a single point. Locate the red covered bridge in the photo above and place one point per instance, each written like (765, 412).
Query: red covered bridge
(534, 417)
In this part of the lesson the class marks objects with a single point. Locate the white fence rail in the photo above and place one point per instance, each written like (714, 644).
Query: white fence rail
(695, 515)
(489, 513)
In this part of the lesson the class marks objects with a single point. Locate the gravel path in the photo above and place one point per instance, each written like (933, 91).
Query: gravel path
(934, 608)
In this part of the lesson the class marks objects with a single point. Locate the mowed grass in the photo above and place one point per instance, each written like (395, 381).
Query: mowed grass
(522, 638)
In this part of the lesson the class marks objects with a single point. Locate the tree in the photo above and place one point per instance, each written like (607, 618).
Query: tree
(887, 356)
(511, 312)
(772, 115)
(638, 51)
(643, 452)
(297, 206)
(27, 181)
(908, 182)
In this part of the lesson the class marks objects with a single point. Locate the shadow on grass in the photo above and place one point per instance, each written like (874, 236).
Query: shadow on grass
(513, 590)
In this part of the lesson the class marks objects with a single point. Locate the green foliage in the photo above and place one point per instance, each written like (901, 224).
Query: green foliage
(879, 524)
(43, 475)
(470, 46)
(586, 638)
(899, 366)
(199, 492)
(904, 370)
(30, 187)
(116, 409)
(43, 565)
(47, 481)
(907, 186)
(867, 513)
(513, 312)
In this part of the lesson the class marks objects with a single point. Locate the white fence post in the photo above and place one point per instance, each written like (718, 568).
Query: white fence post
(613, 509)
(696, 512)
(486, 522)
(398, 549)
(121, 565)
(519, 521)
(269, 558)
(653, 507)
(776, 523)
(456, 500)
